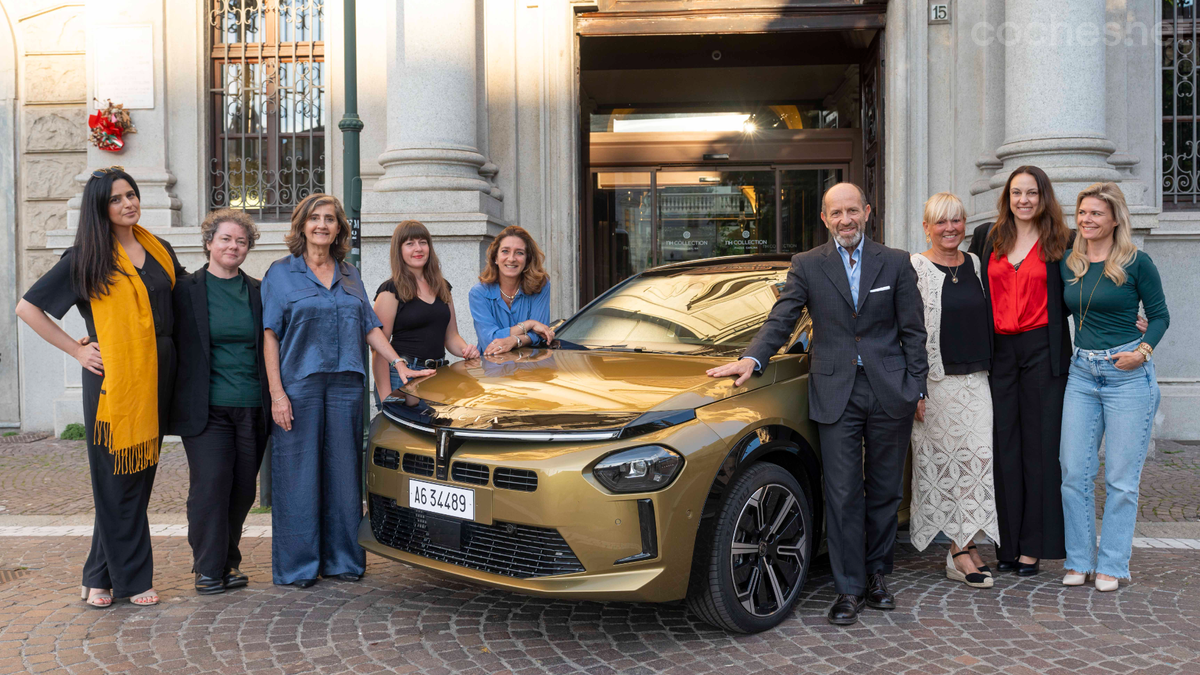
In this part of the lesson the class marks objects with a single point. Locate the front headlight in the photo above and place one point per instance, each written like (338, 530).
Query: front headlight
(644, 469)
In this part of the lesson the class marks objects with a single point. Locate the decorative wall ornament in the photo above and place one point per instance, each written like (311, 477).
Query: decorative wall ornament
(109, 125)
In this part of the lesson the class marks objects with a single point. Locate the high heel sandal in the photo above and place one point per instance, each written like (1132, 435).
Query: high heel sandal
(974, 579)
(983, 569)
(146, 599)
(101, 600)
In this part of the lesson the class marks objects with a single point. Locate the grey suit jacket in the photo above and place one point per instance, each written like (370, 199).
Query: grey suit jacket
(887, 329)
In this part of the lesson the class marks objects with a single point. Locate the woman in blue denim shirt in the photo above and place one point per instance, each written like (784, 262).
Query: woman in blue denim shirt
(1112, 393)
(317, 322)
(511, 302)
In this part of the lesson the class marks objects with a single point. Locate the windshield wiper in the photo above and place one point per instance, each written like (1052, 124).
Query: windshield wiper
(560, 343)
(637, 350)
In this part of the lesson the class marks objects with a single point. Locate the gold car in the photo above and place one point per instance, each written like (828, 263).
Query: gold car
(610, 466)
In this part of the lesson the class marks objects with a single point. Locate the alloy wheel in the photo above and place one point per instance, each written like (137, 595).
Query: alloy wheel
(767, 553)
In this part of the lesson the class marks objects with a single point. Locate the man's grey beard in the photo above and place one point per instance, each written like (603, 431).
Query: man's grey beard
(852, 243)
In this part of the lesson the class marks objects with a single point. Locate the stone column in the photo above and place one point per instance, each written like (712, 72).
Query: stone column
(435, 168)
(145, 153)
(1054, 94)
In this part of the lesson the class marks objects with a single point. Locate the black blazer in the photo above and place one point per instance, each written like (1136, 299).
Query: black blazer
(189, 405)
(1056, 306)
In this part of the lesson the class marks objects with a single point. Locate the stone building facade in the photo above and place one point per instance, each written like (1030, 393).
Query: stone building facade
(481, 113)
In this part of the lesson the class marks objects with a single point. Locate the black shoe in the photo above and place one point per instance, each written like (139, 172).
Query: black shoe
(235, 579)
(845, 610)
(983, 569)
(347, 576)
(304, 583)
(1027, 569)
(878, 596)
(209, 585)
(1006, 565)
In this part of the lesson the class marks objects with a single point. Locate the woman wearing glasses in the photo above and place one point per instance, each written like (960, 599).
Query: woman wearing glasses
(120, 278)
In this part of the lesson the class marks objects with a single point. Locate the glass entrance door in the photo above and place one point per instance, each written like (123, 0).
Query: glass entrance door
(645, 217)
(709, 213)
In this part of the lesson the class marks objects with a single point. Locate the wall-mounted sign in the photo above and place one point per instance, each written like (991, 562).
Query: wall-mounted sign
(939, 12)
(123, 64)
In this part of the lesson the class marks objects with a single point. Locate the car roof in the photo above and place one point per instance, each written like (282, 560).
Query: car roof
(731, 263)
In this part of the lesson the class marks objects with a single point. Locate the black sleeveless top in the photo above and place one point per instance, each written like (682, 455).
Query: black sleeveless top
(420, 327)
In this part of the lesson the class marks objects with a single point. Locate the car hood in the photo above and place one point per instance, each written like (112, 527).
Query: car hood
(563, 389)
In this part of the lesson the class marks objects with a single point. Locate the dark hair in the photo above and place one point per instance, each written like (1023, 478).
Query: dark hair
(297, 242)
(533, 277)
(1053, 235)
(403, 278)
(94, 262)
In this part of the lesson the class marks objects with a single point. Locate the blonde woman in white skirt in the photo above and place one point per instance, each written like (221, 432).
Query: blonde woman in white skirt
(952, 489)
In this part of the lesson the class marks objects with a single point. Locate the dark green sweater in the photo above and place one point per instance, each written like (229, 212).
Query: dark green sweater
(233, 378)
(1112, 313)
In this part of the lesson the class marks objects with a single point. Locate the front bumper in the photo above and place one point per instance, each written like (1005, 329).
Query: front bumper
(567, 538)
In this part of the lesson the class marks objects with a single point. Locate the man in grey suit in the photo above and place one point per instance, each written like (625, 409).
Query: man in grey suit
(866, 378)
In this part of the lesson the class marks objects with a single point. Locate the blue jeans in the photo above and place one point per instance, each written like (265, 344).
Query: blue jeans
(316, 477)
(395, 377)
(1104, 402)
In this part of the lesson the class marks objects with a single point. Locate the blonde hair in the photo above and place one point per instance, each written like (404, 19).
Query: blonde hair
(402, 277)
(943, 206)
(1123, 251)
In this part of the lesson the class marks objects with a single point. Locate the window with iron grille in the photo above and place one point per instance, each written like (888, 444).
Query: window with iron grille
(266, 104)
(1181, 118)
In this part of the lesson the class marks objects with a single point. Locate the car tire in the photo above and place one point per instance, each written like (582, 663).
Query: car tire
(766, 514)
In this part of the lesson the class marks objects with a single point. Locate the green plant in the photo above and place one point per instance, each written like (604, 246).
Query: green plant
(73, 432)
(10, 433)
(261, 509)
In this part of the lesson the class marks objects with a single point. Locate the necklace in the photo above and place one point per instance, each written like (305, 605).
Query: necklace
(1083, 316)
(954, 272)
(508, 297)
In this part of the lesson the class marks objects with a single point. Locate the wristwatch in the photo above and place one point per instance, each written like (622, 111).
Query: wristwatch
(1146, 350)
(397, 360)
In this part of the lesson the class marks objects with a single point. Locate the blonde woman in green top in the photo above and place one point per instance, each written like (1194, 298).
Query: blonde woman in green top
(1112, 392)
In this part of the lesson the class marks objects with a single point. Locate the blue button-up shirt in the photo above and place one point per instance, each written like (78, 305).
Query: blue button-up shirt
(320, 330)
(494, 318)
(853, 272)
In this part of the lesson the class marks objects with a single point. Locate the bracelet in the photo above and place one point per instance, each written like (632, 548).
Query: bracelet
(276, 400)
(1146, 350)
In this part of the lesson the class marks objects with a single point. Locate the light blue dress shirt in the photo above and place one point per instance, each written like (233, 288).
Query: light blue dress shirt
(320, 330)
(853, 272)
(494, 318)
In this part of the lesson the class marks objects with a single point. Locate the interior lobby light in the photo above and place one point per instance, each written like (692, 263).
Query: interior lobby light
(687, 122)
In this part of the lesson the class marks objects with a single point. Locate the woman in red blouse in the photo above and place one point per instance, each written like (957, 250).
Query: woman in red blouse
(1019, 256)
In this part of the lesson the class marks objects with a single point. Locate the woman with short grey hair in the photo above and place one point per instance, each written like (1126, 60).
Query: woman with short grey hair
(222, 404)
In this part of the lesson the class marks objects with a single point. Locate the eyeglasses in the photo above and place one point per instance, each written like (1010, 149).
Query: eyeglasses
(99, 173)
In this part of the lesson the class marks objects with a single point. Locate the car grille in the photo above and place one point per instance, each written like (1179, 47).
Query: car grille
(386, 458)
(515, 479)
(466, 472)
(418, 464)
(511, 550)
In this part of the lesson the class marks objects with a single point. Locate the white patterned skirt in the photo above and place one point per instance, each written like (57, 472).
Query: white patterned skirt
(952, 489)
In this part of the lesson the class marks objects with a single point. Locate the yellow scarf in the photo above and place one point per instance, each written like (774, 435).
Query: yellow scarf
(127, 415)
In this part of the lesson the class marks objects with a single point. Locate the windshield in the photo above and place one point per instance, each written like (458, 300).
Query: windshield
(708, 309)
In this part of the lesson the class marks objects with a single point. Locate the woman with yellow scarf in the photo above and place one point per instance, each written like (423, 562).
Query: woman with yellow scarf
(120, 277)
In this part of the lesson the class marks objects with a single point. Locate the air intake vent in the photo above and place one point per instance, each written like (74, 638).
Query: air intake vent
(519, 551)
(418, 464)
(388, 459)
(465, 472)
(515, 479)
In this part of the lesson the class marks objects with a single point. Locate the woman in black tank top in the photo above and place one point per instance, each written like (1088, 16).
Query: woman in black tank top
(416, 309)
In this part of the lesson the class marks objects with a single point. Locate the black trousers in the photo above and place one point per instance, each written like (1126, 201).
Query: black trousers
(223, 463)
(1027, 400)
(120, 557)
(863, 489)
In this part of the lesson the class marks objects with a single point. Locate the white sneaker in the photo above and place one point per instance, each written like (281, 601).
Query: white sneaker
(1106, 585)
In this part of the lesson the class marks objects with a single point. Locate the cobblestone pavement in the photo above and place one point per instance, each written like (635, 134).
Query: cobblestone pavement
(50, 477)
(404, 620)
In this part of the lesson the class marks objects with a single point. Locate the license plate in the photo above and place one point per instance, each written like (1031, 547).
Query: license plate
(441, 499)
